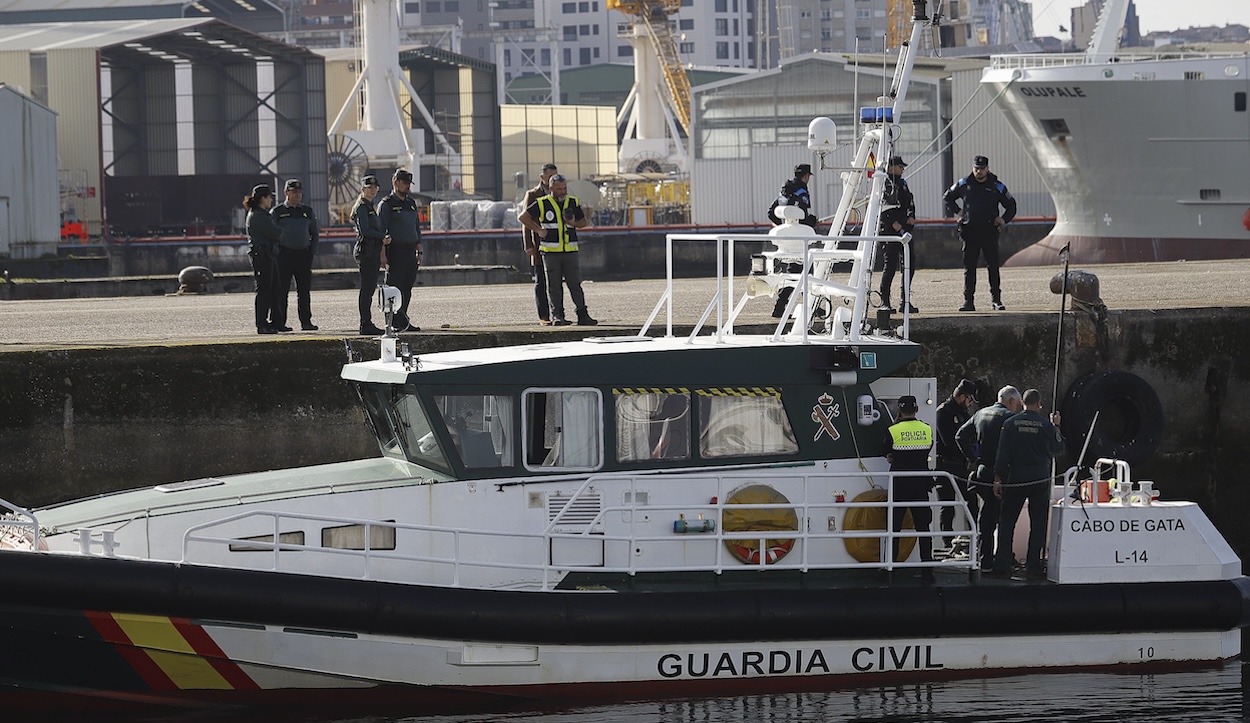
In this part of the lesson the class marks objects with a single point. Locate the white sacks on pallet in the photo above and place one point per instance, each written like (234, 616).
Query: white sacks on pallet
(462, 213)
(440, 215)
(490, 214)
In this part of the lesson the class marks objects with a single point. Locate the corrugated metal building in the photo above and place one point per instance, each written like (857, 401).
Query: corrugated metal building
(170, 122)
(751, 131)
(28, 181)
(261, 16)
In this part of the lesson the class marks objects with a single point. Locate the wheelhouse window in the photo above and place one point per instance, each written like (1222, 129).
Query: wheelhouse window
(563, 429)
(481, 427)
(400, 424)
(743, 423)
(652, 424)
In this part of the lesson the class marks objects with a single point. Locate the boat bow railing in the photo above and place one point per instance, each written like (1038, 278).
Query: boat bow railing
(18, 527)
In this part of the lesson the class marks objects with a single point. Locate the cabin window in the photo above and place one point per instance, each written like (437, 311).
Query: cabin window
(417, 434)
(563, 429)
(481, 427)
(400, 424)
(352, 537)
(264, 543)
(651, 424)
(1239, 102)
(744, 423)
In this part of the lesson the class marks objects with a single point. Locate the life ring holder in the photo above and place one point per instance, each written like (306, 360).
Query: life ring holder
(870, 516)
(779, 520)
(1130, 416)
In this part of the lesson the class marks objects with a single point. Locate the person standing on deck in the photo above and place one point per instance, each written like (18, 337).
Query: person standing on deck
(979, 226)
(909, 441)
(1022, 474)
(978, 440)
(898, 217)
(951, 415)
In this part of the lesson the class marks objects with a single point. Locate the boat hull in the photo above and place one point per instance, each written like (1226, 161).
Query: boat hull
(148, 634)
(1144, 158)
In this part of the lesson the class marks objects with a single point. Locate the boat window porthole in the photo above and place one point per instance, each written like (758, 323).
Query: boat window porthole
(1232, 71)
(1108, 73)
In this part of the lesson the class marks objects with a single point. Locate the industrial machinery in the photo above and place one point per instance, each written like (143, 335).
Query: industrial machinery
(656, 114)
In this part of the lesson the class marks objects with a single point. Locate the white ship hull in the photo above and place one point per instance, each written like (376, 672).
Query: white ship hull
(1145, 158)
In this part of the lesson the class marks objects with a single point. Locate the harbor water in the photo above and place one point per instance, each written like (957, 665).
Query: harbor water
(1192, 696)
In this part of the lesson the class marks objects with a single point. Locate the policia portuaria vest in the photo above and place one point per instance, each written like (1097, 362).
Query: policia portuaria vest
(910, 441)
(551, 217)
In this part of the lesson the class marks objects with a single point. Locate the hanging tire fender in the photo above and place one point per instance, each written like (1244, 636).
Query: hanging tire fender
(1130, 417)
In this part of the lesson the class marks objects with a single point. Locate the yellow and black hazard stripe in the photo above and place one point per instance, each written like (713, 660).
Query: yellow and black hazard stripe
(650, 390)
(170, 653)
(739, 392)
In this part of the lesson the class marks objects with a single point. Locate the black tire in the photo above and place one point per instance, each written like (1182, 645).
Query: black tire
(1130, 419)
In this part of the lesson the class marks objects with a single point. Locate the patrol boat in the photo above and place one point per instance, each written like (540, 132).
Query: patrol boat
(613, 518)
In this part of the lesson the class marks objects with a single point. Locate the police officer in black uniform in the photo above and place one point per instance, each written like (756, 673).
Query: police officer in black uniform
(794, 192)
(400, 220)
(978, 440)
(898, 216)
(296, 250)
(908, 441)
(979, 225)
(368, 251)
(951, 415)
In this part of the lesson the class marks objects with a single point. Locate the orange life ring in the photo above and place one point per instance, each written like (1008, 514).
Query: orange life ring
(780, 520)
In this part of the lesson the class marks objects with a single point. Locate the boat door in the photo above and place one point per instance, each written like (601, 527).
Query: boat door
(887, 390)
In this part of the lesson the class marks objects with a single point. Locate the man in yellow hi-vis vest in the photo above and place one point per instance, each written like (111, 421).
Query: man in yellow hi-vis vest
(554, 219)
(908, 442)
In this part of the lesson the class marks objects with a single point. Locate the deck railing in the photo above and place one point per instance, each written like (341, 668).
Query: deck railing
(447, 566)
(1026, 61)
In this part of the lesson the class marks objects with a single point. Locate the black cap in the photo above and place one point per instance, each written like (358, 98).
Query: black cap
(802, 169)
(908, 402)
(549, 167)
(402, 175)
(294, 185)
(261, 191)
(966, 386)
(896, 161)
(980, 162)
(370, 181)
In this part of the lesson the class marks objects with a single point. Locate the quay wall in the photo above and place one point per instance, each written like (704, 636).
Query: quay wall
(77, 422)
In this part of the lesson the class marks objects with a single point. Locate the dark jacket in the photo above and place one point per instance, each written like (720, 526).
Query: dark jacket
(400, 219)
(527, 236)
(978, 437)
(950, 417)
(369, 233)
(793, 193)
(981, 200)
(262, 234)
(897, 205)
(299, 227)
(1027, 445)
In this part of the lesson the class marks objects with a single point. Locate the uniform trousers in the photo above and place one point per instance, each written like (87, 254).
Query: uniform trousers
(294, 264)
(1037, 496)
(265, 274)
(563, 266)
(402, 261)
(369, 261)
(980, 240)
(913, 489)
(540, 287)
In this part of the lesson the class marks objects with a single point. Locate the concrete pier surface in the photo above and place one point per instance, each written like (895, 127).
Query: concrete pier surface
(618, 305)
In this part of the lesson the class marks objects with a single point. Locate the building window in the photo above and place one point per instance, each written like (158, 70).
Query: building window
(721, 6)
(722, 51)
(686, 48)
(722, 27)
(545, 56)
(583, 7)
(737, 51)
(568, 57)
(433, 7)
(451, 6)
(569, 8)
(583, 56)
(583, 30)
(596, 51)
(570, 32)
(507, 57)
(685, 23)
(625, 51)
(412, 8)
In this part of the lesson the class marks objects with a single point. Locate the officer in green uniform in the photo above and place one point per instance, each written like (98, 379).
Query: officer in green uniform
(1026, 447)
(909, 441)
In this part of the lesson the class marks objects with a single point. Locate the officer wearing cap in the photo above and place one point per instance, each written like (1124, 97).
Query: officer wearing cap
(794, 192)
(980, 222)
(296, 250)
(898, 216)
(951, 415)
(368, 251)
(978, 440)
(401, 222)
(531, 242)
(908, 442)
(262, 247)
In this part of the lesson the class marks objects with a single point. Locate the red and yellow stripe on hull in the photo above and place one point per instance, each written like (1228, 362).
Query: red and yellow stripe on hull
(170, 653)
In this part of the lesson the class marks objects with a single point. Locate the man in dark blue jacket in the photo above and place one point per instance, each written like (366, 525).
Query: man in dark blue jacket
(980, 222)
(977, 438)
(898, 216)
(400, 220)
(1026, 447)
